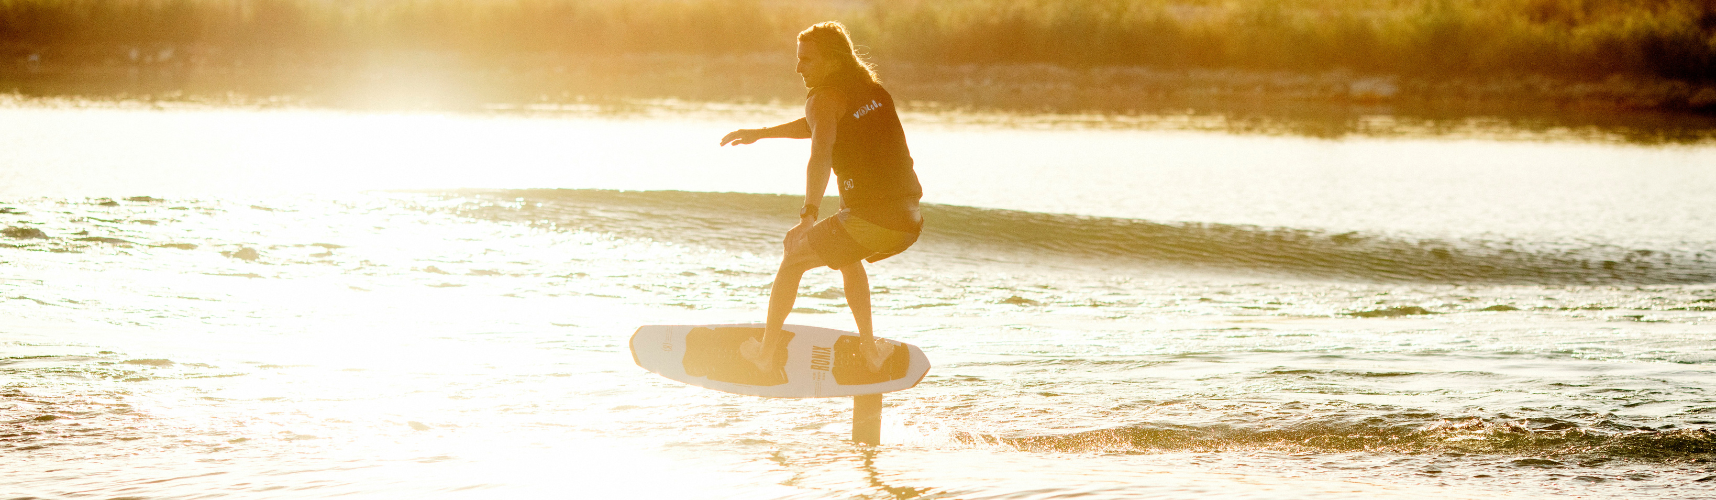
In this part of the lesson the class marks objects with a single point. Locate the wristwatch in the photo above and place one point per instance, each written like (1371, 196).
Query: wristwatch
(809, 211)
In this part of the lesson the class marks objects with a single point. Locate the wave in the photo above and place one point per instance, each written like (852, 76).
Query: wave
(1552, 442)
(753, 222)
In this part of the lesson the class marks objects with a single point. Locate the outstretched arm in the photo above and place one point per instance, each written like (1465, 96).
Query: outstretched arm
(796, 129)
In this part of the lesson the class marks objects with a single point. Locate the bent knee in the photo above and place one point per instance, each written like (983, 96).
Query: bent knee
(801, 260)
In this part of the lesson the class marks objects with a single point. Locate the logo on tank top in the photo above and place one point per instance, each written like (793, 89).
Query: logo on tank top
(866, 109)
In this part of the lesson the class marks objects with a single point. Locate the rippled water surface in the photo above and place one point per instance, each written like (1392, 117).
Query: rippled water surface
(304, 304)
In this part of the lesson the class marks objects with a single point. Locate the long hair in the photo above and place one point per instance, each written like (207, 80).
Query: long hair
(830, 38)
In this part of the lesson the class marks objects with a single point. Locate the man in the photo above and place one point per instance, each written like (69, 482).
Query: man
(855, 133)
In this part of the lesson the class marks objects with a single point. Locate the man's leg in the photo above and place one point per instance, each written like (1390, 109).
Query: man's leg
(858, 300)
(784, 293)
(799, 259)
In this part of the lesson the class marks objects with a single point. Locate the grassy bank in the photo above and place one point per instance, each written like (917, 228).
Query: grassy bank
(1423, 56)
(1574, 38)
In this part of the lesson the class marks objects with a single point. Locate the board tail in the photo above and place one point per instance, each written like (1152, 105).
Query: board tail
(851, 369)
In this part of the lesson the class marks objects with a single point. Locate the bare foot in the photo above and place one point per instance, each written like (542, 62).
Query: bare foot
(876, 352)
(752, 350)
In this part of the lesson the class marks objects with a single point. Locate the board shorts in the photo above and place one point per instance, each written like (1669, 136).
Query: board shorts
(844, 238)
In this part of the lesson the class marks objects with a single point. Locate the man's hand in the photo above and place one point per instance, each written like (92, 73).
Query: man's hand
(800, 234)
(742, 136)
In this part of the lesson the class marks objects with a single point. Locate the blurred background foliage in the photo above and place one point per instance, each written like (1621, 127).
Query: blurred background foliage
(1644, 70)
(1581, 38)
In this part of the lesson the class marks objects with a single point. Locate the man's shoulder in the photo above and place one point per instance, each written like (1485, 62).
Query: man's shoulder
(836, 91)
(830, 95)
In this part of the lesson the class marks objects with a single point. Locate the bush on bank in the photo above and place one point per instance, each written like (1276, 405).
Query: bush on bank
(1591, 39)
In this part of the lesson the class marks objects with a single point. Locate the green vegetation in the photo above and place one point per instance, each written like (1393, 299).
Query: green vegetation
(1665, 38)
(1585, 38)
(1438, 58)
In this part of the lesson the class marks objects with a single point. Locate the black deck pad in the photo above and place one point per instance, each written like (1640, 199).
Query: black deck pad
(850, 369)
(713, 353)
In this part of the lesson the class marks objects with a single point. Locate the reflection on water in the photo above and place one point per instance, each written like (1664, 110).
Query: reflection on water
(426, 346)
(1573, 193)
(200, 301)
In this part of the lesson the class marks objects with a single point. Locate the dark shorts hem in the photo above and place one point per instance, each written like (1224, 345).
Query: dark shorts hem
(837, 248)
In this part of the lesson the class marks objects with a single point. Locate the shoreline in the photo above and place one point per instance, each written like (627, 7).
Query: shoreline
(1327, 105)
(767, 75)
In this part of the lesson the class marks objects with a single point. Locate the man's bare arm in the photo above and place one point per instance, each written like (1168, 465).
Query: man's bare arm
(796, 129)
(822, 114)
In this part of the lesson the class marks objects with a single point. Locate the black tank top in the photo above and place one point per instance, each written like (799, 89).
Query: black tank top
(872, 165)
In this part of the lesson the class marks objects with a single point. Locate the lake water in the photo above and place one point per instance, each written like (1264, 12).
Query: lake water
(303, 304)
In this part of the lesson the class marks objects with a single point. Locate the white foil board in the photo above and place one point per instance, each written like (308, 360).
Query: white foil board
(820, 362)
